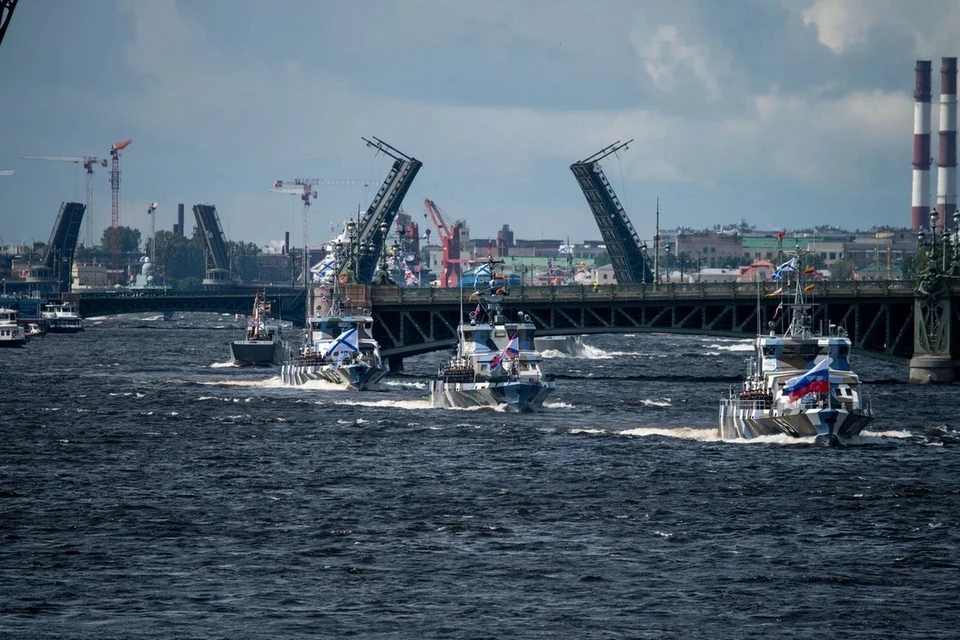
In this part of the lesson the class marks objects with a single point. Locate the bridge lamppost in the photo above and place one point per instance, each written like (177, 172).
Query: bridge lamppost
(941, 249)
(666, 250)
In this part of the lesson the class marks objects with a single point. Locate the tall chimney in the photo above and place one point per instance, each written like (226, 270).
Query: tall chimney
(920, 211)
(286, 242)
(947, 156)
(180, 219)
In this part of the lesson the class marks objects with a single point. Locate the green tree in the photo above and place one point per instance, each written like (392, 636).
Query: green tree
(243, 260)
(128, 239)
(178, 257)
(601, 259)
(841, 270)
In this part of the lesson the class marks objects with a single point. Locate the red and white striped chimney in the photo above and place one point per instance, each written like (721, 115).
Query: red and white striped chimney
(947, 152)
(922, 92)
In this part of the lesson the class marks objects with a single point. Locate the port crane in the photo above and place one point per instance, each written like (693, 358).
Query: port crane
(449, 234)
(88, 162)
(304, 187)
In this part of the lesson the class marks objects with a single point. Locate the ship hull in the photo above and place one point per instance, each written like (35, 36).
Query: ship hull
(56, 327)
(828, 426)
(567, 345)
(356, 377)
(516, 396)
(259, 353)
(12, 343)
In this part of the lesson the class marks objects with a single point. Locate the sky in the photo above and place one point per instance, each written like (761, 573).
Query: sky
(785, 113)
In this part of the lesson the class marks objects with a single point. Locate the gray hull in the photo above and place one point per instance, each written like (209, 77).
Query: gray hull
(569, 345)
(257, 353)
(515, 395)
(353, 376)
(829, 426)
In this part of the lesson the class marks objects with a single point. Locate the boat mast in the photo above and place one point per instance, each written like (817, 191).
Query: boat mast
(307, 293)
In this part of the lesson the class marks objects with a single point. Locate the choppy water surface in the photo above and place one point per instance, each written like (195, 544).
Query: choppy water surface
(147, 490)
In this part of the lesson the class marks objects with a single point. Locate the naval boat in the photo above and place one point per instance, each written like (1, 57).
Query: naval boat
(496, 363)
(799, 383)
(338, 345)
(263, 342)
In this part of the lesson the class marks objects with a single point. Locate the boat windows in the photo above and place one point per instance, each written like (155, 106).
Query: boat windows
(809, 351)
(769, 350)
(500, 333)
(843, 351)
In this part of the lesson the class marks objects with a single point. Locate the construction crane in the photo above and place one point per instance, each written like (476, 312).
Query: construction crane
(449, 233)
(88, 163)
(6, 12)
(152, 212)
(115, 150)
(305, 189)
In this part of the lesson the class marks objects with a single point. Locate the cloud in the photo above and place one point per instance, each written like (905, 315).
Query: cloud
(279, 117)
(846, 24)
(666, 54)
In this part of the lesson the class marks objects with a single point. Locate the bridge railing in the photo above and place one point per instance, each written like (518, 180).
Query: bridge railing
(385, 295)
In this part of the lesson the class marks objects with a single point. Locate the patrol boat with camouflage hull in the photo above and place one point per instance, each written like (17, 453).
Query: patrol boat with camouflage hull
(496, 363)
(799, 384)
(339, 348)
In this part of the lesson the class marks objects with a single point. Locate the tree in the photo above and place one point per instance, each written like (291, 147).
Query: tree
(128, 239)
(841, 270)
(178, 257)
(243, 260)
(602, 258)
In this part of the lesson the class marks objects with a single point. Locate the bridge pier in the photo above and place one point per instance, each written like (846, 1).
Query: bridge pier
(932, 361)
(927, 369)
(395, 362)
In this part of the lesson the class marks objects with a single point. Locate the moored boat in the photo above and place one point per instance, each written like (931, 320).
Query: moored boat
(799, 383)
(496, 363)
(11, 333)
(263, 343)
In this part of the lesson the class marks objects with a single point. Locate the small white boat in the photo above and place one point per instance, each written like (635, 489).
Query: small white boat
(11, 333)
(33, 330)
(61, 317)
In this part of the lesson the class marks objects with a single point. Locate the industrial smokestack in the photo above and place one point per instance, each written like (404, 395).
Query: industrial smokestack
(286, 242)
(920, 211)
(947, 156)
(180, 219)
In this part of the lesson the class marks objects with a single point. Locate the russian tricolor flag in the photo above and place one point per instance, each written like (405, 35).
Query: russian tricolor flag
(816, 380)
(512, 350)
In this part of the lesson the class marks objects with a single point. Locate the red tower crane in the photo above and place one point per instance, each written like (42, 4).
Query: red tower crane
(88, 162)
(449, 233)
(115, 149)
(307, 193)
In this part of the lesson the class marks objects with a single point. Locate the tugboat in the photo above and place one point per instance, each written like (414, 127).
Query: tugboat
(61, 317)
(799, 383)
(338, 347)
(495, 363)
(263, 343)
(11, 333)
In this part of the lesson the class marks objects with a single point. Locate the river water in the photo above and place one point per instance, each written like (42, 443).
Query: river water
(149, 490)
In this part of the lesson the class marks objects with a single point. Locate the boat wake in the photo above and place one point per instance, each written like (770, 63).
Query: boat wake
(223, 365)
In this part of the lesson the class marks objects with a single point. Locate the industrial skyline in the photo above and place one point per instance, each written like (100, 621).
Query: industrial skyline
(807, 125)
